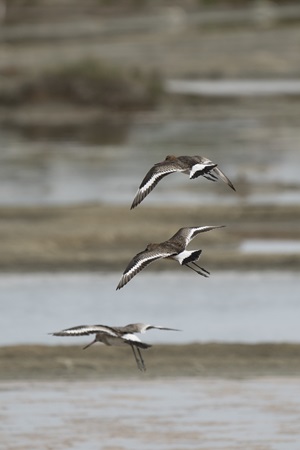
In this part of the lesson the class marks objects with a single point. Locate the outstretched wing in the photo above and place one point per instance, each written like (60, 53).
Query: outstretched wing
(84, 330)
(188, 233)
(139, 262)
(223, 177)
(155, 174)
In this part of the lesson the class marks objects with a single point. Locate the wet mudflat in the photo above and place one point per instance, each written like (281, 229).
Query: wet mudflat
(206, 395)
(97, 237)
(179, 414)
(225, 360)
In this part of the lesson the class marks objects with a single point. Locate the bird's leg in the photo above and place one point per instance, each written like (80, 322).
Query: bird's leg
(139, 362)
(91, 343)
(141, 359)
(197, 271)
(202, 268)
(135, 357)
(211, 177)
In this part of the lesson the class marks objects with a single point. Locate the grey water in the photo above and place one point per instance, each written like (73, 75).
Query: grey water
(270, 246)
(229, 307)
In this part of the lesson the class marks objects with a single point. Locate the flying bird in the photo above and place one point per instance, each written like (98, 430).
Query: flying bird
(194, 166)
(173, 248)
(116, 336)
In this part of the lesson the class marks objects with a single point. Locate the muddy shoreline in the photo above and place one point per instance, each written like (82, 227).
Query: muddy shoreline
(218, 360)
(90, 238)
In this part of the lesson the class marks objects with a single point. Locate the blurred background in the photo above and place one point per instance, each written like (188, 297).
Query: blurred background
(92, 94)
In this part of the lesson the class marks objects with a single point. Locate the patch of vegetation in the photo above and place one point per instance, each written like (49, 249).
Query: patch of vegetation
(91, 83)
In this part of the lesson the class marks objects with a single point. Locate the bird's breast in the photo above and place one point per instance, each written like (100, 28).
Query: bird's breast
(115, 341)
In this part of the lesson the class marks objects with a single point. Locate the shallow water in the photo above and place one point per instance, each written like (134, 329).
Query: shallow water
(228, 307)
(267, 246)
(163, 414)
(229, 88)
(260, 153)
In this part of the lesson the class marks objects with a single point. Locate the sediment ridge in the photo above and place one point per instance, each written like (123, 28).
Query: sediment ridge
(220, 360)
(104, 237)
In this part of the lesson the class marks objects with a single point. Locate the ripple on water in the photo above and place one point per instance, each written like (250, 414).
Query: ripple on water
(162, 414)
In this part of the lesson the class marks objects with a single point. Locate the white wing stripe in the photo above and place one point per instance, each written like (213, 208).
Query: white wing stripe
(143, 260)
(136, 266)
(152, 180)
(88, 329)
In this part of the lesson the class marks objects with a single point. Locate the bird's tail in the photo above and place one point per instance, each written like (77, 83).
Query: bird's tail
(193, 256)
(205, 170)
(137, 343)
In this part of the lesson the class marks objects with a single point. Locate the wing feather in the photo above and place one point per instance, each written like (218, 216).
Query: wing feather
(139, 262)
(186, 234)
(155, 174)
(223, 177)
(84, 330)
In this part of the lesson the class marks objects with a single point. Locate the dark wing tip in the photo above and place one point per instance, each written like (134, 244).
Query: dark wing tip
(229, 183)
(136, 201)
(139, 197)
(223, 177)
(124, 280)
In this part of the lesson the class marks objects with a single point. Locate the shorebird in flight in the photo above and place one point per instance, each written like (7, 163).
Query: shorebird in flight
(173, 248)
(194, 166)
(116, 336)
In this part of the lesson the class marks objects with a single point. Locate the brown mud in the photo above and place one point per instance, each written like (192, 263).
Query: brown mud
(104, 237)
(220, 360)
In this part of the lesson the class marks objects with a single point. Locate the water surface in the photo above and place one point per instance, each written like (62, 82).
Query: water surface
(236, 88)
(166, 414)
(276, 246)
(258, 152)
(228, 307)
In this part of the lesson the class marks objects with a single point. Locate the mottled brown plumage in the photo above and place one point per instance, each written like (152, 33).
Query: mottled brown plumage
(116, 336)
(194, 166)
(173, 248)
